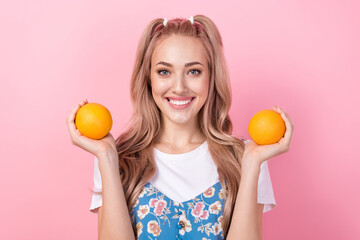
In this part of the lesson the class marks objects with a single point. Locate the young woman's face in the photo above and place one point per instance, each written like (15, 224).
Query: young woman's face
(179, 78)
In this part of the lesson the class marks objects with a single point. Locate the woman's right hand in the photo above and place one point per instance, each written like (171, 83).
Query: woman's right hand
(106, 145)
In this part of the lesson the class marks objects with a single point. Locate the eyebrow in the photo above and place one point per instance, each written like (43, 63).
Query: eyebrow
(186, 65)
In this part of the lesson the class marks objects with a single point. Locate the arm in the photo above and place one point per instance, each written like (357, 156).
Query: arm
(246, 221)
(114, 219)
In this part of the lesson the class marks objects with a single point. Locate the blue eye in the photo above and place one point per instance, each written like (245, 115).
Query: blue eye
(162, 71)
(192, 72)
(196, 70)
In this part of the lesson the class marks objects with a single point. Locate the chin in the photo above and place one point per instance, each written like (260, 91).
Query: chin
(179, 121)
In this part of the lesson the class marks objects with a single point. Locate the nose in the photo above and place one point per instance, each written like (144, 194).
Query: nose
(179, 84)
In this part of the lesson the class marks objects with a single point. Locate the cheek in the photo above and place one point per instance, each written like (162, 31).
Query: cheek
(158, 87)
(202, 87)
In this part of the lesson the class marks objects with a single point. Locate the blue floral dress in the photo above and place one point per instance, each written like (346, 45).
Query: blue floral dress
(156, 216)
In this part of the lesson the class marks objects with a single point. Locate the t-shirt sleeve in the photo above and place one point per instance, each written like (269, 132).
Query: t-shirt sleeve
(265, 189)
(96, 200)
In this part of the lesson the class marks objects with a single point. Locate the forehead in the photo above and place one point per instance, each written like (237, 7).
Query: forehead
(179, 50)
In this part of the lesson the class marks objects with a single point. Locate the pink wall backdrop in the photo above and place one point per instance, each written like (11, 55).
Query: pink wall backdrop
(301, 55)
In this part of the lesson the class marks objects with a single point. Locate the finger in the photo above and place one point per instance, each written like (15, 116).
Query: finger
(78, 133)
(288, 124)
(71, 118)
(287, 120)
(284, 116)
(75, 109)
(288, 117)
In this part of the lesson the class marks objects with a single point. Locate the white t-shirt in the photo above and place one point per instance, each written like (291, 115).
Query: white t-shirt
(192, 173)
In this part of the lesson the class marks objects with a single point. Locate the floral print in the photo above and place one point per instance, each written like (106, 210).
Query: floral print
(209, 193)
(143, 211)
(158, 217)
(215, 207)
(154, 228)
(139, 227)
(185, 224)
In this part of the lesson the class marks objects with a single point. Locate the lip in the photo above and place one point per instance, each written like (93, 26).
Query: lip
(179, 107)
(180, 98)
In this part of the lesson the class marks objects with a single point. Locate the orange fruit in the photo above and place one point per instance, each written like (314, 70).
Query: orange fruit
(266, 127)
(93, 120)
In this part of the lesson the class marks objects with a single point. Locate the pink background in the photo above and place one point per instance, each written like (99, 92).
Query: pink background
(301, 55)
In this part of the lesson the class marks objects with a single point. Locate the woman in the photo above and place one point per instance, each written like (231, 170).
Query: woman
(179, 144)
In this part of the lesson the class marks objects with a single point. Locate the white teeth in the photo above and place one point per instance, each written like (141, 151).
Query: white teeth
(180, 102)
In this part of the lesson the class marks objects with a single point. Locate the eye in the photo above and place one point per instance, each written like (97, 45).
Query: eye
(163, 71)
(195, 71)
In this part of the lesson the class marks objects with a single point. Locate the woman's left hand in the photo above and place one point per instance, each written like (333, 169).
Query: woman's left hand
(257, 154)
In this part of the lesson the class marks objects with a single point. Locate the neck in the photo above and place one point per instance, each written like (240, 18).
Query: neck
(179, 135)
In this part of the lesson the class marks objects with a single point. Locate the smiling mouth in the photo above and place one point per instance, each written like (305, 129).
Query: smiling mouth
(180, 102)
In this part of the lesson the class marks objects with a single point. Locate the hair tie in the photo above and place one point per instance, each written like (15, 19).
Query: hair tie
(191, 19)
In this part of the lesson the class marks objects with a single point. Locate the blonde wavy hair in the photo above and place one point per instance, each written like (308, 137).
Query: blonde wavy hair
(135, 145)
